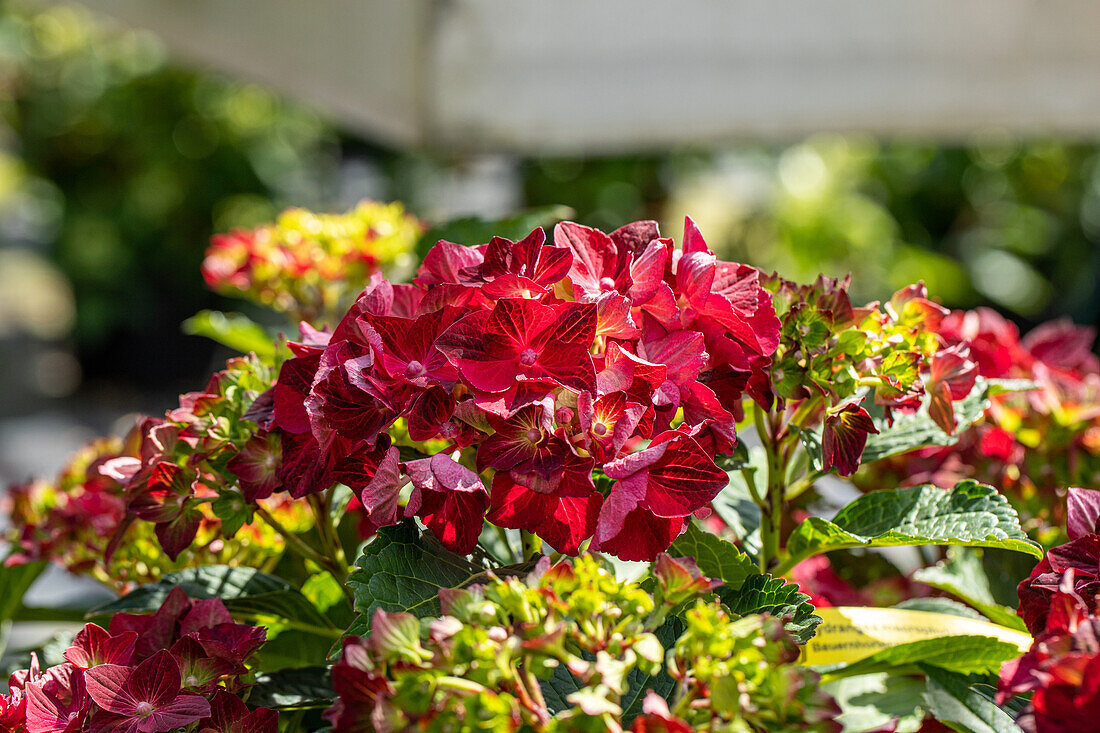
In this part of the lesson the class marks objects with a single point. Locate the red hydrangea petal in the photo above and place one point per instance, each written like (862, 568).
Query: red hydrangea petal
(563, 521)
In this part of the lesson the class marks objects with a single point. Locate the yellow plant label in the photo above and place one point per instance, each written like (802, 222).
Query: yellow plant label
(851, 633)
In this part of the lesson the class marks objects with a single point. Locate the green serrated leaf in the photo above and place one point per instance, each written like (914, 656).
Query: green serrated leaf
(555, 690)
(474, 230)
(235, 330)
(403, 570)
(952, 699)
(765, 594)
(246, 592)
(301, 688)
(966, 654)
(971, 514)
(873, 701)
(962, 576)
(290, 648)
(715, 557)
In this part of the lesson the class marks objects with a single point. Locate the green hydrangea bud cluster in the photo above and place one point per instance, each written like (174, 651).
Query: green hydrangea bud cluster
(572, 648)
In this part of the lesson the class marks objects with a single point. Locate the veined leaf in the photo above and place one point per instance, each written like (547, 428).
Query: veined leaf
(401, 570)
(765, 594)
(872, 701)
(246, 592)
(962, 576)
(971, 514)
(966, 654)
(561, 685)
(715, 557)
(952, 699)
(638, 683)
(293, 689)
(235, 330)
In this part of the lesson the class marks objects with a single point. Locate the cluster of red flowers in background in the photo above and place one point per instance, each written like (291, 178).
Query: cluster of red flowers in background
(306, 263)
(146, 672)
(544, 363)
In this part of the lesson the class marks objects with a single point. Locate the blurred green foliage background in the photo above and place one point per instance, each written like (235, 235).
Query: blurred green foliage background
(116, 165)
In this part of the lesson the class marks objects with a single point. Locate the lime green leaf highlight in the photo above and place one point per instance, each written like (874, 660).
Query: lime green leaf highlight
(237, 331)
(971, 514)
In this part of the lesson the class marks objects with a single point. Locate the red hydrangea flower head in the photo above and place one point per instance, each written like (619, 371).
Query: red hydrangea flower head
(529, 366)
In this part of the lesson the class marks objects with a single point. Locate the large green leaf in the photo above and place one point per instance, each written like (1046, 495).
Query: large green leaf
(765, 594)
(966, 654)
(246, 592)
(873, 701)
(962, 576)
(402, 570)
(235, 330)
(293, 689)
(288, 648)
(561, 685)
(952, 700)
(715, 557)
(475, 230)
(971, 514)
(15, 581)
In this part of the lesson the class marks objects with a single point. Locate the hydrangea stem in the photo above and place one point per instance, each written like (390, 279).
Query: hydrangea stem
(772, 509)
(298, 545)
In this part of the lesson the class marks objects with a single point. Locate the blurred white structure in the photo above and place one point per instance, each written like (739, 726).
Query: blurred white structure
(577, 76)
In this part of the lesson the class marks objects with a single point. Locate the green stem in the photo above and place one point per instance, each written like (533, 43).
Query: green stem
(503, 534)
(803, 484)
(322, 508)
(772, 515)
(750, 481)
(294, 542)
